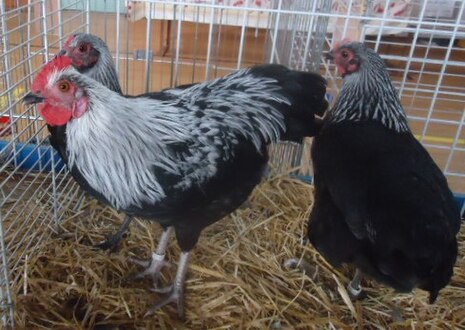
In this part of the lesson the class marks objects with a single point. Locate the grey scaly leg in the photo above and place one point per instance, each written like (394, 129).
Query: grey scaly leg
(157, 263)
(176, 292)
(112, 241)
(354, 286)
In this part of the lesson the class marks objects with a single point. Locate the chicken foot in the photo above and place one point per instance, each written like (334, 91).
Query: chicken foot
(112, 241)
(176, 291)
(354, 288)
(154, 266)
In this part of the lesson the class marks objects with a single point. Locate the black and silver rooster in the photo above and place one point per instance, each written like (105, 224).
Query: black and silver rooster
(90, 56)
(185, 162)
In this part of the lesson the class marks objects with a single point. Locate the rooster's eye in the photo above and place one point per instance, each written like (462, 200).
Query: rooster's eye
(82, 48)
(345, 54)
(64, 86)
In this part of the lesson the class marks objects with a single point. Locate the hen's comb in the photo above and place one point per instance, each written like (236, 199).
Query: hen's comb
(343, 42)
(69, 40)
(59, 63)
(5, 120)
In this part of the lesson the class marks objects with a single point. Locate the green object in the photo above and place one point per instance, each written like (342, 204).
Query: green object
(104, 6)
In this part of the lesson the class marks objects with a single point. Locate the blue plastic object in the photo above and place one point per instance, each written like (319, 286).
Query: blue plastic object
(30, 156)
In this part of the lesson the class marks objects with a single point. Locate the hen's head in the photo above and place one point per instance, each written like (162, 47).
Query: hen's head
(351, 57)
(85, 50)
(56, 88)
(91, 56)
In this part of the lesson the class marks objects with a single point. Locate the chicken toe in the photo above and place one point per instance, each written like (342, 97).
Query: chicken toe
(176, 293)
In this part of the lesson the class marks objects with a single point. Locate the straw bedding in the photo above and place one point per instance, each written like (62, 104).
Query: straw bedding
(237, 278)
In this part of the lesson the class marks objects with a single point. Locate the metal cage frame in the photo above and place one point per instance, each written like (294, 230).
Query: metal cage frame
(35, 188)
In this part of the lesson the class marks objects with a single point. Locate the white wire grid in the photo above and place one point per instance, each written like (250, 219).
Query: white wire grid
(32, 196)
(165, 43)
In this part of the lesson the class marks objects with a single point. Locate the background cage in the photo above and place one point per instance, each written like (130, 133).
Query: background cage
(162, 43)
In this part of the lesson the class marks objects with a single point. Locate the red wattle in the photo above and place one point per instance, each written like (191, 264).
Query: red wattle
(55, 116)
(80, 107)
(342, 70)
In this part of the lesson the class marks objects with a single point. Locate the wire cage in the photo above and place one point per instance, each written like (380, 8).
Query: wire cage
(162, 43)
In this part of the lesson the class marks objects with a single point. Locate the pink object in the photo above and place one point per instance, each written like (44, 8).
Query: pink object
(135, 10)
(356, 29)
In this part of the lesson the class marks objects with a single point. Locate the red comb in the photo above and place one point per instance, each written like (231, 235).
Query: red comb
(69, 40)
(4, 120)
(58, 63)
(341, 43)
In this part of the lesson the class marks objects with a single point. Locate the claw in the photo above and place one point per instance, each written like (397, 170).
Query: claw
(164, 290)
(176, 291)
(176, 296)
(354, 292)
(354, 288)
(112, 241)
(140, 262)
(302, 265)
(153, 267)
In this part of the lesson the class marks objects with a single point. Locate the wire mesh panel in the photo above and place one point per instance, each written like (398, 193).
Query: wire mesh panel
(298, 39)
(35, 189)
(163, 43)
(186, 41)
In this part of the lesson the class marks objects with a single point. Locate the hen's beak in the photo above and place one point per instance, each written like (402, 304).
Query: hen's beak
(60, 53)
(329, 55)
(32, 98)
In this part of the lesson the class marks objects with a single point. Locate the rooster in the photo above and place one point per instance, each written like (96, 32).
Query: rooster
(186, 162)
(381, 203)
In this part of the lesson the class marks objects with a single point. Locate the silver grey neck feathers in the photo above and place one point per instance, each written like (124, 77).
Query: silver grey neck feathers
(119, 141)
(369, 95)
(105, 72)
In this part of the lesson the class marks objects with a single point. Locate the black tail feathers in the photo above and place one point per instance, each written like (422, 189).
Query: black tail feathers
(442, 275)
(307, 91)
(433, 295)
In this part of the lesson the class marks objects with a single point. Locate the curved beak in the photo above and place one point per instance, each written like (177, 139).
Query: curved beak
(61, 52)
(32, 98)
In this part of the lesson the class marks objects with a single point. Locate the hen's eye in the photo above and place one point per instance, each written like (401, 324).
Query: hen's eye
(82, 48)
(344, 54)
(64, 86)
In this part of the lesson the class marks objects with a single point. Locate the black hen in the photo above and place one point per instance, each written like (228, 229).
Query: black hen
(381, 203)
(91, 57)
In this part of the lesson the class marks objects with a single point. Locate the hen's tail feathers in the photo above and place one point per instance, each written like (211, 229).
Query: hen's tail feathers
(441, 276)
(433, 295)
(306, 91)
